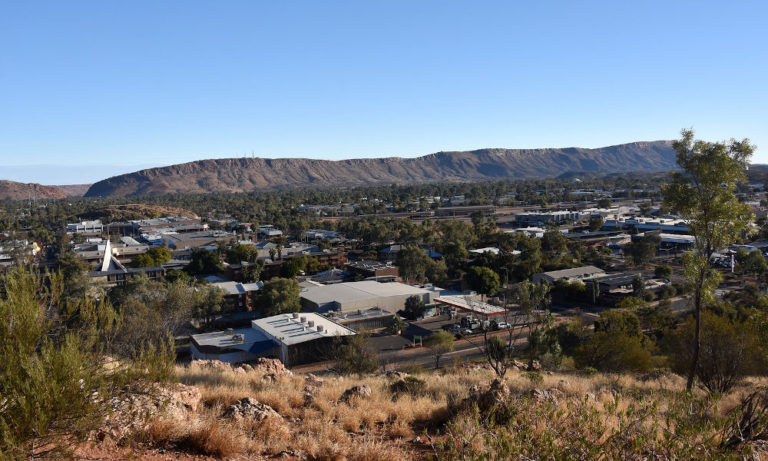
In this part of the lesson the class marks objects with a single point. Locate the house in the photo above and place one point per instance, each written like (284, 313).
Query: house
(241, 295)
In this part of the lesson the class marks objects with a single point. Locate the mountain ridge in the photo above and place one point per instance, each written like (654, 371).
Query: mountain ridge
(14, 190)
(246, 174)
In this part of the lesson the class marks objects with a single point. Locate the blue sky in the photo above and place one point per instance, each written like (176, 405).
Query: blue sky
(89, 89)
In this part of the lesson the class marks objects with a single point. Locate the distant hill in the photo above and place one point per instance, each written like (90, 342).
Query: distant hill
(11, 190)
(248, 174)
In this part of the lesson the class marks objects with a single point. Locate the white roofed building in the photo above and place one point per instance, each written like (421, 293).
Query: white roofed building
(354, 296)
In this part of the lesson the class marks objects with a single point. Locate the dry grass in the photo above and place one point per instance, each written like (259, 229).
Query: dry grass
(379, 427)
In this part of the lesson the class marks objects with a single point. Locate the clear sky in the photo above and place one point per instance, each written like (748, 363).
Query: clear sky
(89, 89)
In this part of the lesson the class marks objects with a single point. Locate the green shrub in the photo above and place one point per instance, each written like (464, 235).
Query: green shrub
(534, 377)
(615, 352)
(55, 387)
(410, 385)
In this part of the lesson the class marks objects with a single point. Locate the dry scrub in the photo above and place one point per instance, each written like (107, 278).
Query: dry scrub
(434, 423)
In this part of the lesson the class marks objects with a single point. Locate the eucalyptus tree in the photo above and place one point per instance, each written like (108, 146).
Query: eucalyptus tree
(703, 194)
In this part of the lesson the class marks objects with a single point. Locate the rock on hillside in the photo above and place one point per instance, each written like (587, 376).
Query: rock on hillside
(247, 174)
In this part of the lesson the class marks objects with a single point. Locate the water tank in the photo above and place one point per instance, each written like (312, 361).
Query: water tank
(311, 323)
(295, 315)
(320, 328)
(303, 319)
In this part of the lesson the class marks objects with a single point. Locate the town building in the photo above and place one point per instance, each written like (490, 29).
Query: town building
(86, 227)
(569, 275)
(354, 296)
(542, 218)
(369, 269)
(294, 338)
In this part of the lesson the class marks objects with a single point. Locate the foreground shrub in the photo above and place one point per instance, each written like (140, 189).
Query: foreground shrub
(410, 385)
(729, 351)
(55, 381)
(686, 427)
(616, 352)
(353, 356)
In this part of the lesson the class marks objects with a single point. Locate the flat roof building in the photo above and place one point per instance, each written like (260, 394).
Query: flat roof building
(301, 337)
(353, 296)
(294, 338)
(569, 275)
(86, 227)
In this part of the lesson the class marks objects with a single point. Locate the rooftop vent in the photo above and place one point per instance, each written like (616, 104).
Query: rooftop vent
(230, 331)
(237, 338)
(311, 323)
(320, 328)
(303, 319)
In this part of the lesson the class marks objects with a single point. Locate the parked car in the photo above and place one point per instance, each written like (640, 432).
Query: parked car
(453, 328)
(502, 326)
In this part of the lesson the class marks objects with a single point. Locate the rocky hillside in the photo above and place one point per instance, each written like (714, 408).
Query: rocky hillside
(247, 174)
(10, 190)
(266, 412)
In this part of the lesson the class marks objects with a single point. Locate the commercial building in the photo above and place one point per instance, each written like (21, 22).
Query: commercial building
(86, 227)
(354, 296)
(369, 319)
(569, 275)
(179, 224)
(542, 218)
(454, 211)
(293, 338)
(374, 269)
(183, 241)
(268, 231)
(666, 225)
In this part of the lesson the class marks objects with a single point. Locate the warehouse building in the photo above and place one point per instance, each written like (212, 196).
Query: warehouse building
(354, 296)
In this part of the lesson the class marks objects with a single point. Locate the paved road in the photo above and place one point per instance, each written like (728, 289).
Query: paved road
(469, 348)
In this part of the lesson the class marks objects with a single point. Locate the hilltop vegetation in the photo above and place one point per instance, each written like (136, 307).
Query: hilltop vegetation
(458, 413)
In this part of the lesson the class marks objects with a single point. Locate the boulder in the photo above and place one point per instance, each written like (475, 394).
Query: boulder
(249, 408)
(272, 367)
(357, 392)
(215, 365)
(312, 381)
(132, 410)
(497, 396)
